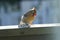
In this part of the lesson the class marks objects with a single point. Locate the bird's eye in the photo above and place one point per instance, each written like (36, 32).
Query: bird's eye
(33, 12)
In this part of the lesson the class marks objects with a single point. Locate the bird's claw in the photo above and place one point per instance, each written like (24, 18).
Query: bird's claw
(24, 26)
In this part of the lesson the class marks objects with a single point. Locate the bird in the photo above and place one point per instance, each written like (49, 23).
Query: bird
(28, 18)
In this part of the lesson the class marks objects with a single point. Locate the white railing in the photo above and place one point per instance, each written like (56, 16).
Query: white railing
(35, 29)
(32, 26)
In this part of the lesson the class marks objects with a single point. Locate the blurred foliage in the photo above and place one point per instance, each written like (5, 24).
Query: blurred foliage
(14, 4)
(13, 1)
(10, 1)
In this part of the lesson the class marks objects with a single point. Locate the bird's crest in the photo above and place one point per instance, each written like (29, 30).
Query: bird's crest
(33, 8)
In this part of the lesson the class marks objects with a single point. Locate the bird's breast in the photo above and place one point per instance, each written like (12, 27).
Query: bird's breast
(29, 19)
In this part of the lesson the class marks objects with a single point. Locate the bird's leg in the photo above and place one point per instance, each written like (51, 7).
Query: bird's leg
(28, 26)
(20, 26)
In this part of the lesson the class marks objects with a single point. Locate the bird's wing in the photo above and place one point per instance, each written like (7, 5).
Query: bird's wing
(28, 13)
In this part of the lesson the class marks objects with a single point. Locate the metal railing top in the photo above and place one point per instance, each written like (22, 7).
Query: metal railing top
(32, 26)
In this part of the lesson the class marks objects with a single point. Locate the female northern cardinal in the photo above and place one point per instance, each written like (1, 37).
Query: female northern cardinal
(28, 17)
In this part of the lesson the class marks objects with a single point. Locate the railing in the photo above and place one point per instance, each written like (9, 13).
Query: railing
(32, 26)
(35, 29)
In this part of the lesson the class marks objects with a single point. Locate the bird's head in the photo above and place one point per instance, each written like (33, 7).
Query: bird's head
(33, 11)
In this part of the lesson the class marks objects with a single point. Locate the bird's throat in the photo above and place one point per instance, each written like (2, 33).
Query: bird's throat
(34, 14)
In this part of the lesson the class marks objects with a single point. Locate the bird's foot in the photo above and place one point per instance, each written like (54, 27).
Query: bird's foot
(24, 26)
